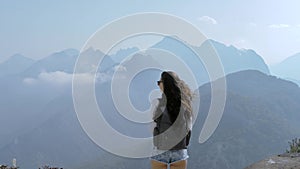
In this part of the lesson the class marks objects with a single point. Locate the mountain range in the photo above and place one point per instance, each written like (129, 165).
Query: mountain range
(38, 116)
(288, 69)
(259, 119)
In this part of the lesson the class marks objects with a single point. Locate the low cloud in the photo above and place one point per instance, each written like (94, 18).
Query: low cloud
(278, 26)
(57, 78)
(252, 24)
(207, 19)
(60, 78)
(120, 68)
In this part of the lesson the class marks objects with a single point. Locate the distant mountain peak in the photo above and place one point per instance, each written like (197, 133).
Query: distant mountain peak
(18, 57)
(292, 58)
(288, 68)
(68, 52)
(91, 50)
(15, 64)
(71, 51)
(170, 40)
(214, 42)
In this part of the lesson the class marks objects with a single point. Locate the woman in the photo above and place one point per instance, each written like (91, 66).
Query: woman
(173, 117)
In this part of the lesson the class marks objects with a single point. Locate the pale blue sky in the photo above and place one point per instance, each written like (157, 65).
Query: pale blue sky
(39, 28)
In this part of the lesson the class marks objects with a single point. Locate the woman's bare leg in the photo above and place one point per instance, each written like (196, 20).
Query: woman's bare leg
(158, 165)
(182, 164)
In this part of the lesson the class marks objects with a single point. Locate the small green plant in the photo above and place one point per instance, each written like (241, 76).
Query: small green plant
(294, 146)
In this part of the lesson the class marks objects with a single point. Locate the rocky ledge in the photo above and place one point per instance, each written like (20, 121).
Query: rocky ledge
(282, 161)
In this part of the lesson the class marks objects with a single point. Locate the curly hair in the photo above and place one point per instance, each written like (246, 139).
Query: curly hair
(177, 93)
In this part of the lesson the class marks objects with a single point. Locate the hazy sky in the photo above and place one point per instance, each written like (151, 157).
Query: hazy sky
(39, 28)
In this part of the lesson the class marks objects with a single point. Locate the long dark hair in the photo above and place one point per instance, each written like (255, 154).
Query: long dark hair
(173, 95)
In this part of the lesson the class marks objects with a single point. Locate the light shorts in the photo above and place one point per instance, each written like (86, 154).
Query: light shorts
(169, 156)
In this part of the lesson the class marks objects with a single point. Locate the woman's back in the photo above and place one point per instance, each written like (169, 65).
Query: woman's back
(173, 123)
(173, 136)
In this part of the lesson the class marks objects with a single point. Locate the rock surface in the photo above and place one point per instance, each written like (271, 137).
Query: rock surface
(283, 161)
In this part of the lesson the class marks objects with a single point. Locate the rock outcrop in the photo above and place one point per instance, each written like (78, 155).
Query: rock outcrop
(282, 161)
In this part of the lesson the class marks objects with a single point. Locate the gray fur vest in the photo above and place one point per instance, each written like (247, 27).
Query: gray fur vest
(168, 135)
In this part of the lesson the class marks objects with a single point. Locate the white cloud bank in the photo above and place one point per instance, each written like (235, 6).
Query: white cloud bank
(252, 24)
(60, 78)
(278, 26)
(207, 19)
